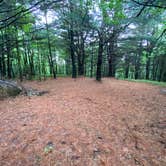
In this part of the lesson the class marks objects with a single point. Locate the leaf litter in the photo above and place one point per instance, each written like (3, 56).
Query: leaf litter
(84, 123)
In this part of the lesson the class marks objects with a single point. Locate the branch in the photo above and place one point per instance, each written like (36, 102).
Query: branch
(164, 31)
(23, 12)
(14, 20)
(143, 8)
(145, 4)
(6, 11)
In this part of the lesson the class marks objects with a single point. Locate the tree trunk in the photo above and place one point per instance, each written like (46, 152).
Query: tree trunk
(74, 70)
(136, 71)
(1, 67)
(25, 58)
(43, 66)
(155, 68)
(8, 63)
(31, 62)
(137, 62)
(81, 57)
(111, 68)
(18, 57)
(79, 63)
(162, 70)
(71, 37)
(137, 66)
(111, 60)
(8, 46)
(68, 66)
(127, 65)
(99, 61)
(3, 64)
(39, 64)
(49, 49)
(91, 71)
(147, 67)
(112, 52)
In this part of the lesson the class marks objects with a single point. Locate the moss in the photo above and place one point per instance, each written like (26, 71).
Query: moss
(9, 91)
(3, 93)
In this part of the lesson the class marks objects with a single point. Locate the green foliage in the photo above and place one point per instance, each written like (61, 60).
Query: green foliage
(162, 84)
(26, 40)
(112, 12)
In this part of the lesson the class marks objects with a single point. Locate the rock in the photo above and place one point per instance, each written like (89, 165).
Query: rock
(163, 91)
(75, 157)
(9, 88)
(34, 92)
(49, 147)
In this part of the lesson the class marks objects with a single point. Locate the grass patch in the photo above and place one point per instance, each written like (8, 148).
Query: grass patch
(148, 81)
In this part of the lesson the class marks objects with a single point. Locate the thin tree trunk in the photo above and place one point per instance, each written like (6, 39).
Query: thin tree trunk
(74, 72)
(43, 66)
(99, 61)
(81, 57)
(156, 69)
(111, 53)
(8, 57)
(91, 71)
(137, 62)
(25, 58)
(3, 65)
(147, 66)
(39, 65)
(71, 36)
(31, 63)
(127, 66)
(18, 57)
(49, 49)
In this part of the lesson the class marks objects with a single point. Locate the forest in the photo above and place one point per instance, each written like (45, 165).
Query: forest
(123, 39)
(82, 82)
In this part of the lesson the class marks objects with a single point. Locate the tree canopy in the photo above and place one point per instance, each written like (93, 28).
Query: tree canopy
(101, 38)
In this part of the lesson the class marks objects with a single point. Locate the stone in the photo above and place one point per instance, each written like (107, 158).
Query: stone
(9, 88)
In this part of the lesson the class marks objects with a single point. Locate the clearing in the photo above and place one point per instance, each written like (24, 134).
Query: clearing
(85, 123)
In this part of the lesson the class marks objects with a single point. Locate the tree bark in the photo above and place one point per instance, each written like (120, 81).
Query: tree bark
(112, 53)
(91, 71)
(127, 65)
(18, 57)
(99, 61)
(81, 57)
(147, 68)
(49, 49)
(71, 37)
(8, 46)
(74, 70)
(3, 65)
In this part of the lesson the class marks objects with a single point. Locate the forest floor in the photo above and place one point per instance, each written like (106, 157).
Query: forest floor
(84, 123)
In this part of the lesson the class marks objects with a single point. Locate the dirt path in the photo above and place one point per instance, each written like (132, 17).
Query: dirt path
(84, 123)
